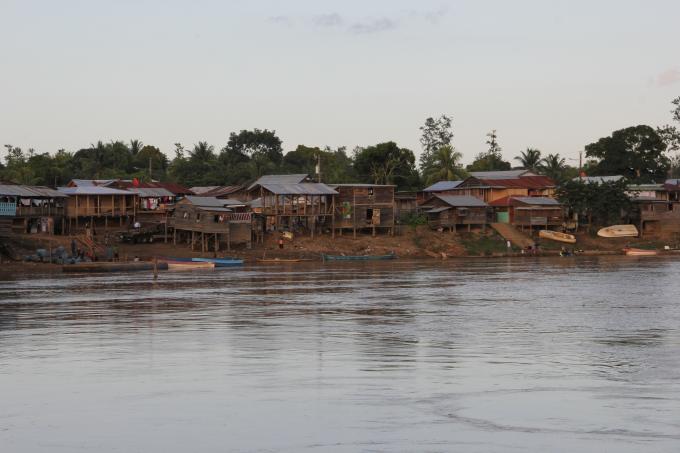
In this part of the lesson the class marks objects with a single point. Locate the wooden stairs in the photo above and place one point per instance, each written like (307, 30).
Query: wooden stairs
(512, 234)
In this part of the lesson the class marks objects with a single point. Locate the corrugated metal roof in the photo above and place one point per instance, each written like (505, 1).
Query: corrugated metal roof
(206, 201)
(524, 182)
(257, 203)
(279, 179)
(17, 190)
(461, 200)
(504, 174)
(442, 185)
(537, 201)
(91, 182)
(214, 209)
(306, 188)
(438, 210)
(93, 190)
(360, 185)
(148, 192)
(202, 189)
(222, 191)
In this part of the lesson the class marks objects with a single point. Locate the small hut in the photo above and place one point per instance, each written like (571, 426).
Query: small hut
(210, 220)
(528, 212)
(31, 209)
(455, 211)
(364, 207)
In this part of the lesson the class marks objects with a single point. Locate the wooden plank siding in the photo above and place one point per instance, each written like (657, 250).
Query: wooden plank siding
(360, 207)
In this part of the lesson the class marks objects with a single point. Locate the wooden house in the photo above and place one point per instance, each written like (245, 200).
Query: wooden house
(98, 207)
(32, 209)
(496, 185)
(657, 207)
(405, 204)
(528, 212)
(455, 211)
(236, 192)
(301, 207)
(211, 221)
(364, 207)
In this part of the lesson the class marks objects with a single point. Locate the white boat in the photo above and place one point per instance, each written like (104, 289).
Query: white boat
(557, 236)
(189, 265)
(618, 231)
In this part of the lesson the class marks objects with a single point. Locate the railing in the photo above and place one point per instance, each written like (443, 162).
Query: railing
(99, 211)
(26, 211)
(8, 209)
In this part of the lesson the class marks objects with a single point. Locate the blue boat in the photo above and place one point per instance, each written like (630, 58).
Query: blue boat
(219, 262)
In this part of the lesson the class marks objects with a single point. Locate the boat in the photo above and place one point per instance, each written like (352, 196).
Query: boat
(219, 262)
(389, 256)
(631, 251)
(618, 231)
(116, 266)
(281, 260)
(188, 265)
(557, 236)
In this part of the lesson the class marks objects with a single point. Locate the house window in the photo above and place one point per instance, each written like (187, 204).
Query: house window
(369, 214)
(370, 191)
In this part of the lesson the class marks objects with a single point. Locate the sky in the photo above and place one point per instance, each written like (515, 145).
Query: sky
(553, 75)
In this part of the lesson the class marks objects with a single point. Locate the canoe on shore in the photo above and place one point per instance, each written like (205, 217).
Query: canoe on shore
(618, 231)
(640, 252)
(389, 256)
(117, 266)
(219, 262)
(188, 265)
(281, 260)
(557, 236)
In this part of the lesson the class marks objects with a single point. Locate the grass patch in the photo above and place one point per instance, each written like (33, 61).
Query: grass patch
(484, 244)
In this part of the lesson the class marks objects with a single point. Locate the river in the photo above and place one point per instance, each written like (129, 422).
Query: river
(545, 354)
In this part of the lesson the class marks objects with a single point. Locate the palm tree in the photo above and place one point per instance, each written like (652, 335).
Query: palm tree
(530, 159)
(553, 166)
(445, 166)
(136, 146)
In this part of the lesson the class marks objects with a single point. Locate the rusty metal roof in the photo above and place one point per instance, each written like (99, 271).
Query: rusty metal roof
(17, 190)
(305, 188)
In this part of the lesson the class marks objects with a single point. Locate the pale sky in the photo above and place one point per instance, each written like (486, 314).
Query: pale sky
(555, 75)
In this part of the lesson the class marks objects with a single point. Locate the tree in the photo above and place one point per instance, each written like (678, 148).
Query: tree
(135, 146)
(530, 159)
(636, 152)
(386, 163)
(601, 203)
(435, 134)
(492, 159)
(670, 134)
(553, 166)
(444, 166)
(200, 168)
(263, 146)
(336, 166)
(150, 156)
(16, 166)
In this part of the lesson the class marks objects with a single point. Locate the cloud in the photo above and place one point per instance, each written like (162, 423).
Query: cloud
(434, 16)
(328, 20)
(668, 77)
(373, 26)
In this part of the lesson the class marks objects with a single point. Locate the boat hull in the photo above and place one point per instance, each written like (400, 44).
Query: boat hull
(188, 265)
(391, 256)
(640, 252)
(102, 267)
(219, 262)
(557, 236)
(618, 231)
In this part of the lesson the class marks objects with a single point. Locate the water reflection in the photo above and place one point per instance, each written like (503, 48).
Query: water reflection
(542, 354)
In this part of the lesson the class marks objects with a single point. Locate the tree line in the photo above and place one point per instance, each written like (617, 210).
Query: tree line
(641, 153)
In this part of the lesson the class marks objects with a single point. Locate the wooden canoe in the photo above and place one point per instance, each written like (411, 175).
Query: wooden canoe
(640, 252)
(188, 265)
(219, 262)
(116, 266)
(325, 257)
(557, 236)
(281, 260)
(618, 231)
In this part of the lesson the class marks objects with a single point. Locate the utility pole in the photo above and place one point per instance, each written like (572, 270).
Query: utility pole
(580, 165)
(150, 177)
(318, 167)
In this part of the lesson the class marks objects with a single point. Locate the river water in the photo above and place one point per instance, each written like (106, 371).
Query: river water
(547, 354)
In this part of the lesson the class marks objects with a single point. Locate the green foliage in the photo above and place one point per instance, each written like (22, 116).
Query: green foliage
(492, 159)
(336, 166)
(413, 219)
(601, 203)
(636, 152)
(386, 163)
(555, 167)
(444, 166)
(435, 135)
(529, 159)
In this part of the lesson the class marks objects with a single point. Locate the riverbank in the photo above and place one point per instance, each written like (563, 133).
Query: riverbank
(420, 243)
